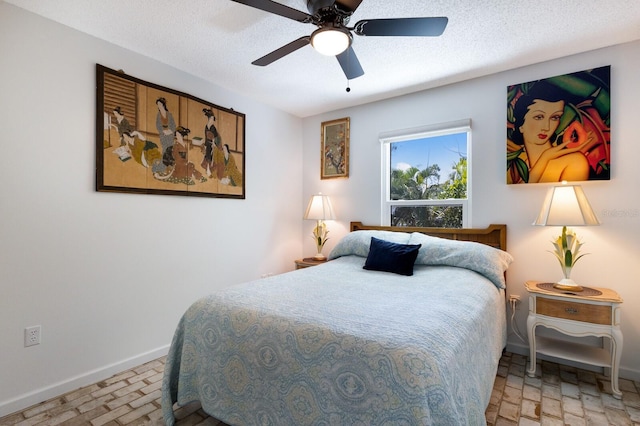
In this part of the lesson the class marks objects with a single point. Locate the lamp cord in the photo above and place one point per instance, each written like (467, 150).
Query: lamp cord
(514, 325)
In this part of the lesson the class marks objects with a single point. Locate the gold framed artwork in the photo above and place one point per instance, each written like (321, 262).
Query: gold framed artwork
(154, 140)
(334, 148)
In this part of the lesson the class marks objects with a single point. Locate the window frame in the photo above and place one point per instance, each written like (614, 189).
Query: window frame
(433, 130)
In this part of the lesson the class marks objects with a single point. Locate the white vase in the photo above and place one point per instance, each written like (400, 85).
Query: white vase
(567, 283)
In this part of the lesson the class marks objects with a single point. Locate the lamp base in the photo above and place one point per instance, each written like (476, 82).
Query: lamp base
(319, 256)
(567, 284)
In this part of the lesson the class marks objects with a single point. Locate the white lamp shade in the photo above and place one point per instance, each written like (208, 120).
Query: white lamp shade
(319, 208)
(566, 205)
(330, 41)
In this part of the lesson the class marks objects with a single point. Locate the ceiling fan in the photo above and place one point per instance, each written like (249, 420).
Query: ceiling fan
(333, 37)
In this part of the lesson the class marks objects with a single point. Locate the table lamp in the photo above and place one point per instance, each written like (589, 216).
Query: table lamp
(319, 209)
(566, 205)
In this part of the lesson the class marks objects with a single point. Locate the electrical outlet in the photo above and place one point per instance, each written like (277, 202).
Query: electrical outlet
(32, 336)
(514, 301)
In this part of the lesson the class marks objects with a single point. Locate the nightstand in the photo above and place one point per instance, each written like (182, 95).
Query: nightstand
(591, 312)
(307, 262)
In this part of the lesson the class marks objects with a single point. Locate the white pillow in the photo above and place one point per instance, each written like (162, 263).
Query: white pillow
(358, 242)
(481, 258)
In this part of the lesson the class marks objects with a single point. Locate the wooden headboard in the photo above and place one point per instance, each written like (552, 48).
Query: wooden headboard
(493, 235)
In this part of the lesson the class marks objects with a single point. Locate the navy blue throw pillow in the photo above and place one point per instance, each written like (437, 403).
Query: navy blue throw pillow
(391, 257)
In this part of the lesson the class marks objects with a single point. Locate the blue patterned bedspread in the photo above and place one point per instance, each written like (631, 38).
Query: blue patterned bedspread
(339, 345)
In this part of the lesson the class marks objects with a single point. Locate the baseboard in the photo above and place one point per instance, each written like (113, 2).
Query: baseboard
(26, 400)
(624, 373)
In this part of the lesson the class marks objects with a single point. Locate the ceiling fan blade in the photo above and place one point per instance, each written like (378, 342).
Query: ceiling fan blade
(278, 9)
(402, 27)
(283, 51)
(348, 5)
(350, 64)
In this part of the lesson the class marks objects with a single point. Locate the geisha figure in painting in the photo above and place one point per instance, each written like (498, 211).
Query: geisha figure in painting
(210, 135)
(166, 126)
(144, 152)
(213, 161)
(558, 129)
(232, 175)
(122, 124)
(184, 171)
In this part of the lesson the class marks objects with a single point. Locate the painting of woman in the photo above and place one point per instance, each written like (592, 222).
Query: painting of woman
(232, 175)
(122, 124)
(212, 160)
(166, 126)
(144, 152)
(557, 129)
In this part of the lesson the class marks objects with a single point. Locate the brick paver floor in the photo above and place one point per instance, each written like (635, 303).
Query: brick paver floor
(559, 395)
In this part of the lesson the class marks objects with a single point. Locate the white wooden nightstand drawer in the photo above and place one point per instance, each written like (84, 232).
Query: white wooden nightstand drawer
(585, 312)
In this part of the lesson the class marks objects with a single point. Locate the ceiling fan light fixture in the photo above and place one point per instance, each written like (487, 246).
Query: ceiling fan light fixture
(330, 41)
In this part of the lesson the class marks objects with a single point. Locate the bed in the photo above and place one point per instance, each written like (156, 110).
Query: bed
(338, 344)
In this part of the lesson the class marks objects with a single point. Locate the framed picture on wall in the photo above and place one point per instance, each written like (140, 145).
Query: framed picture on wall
(558, 128)
(334, 148)
(154, 140)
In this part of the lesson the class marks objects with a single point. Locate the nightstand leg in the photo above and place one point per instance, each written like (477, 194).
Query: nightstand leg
(616, 354)
(531, 334)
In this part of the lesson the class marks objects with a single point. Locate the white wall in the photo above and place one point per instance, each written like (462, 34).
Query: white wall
(108, 275)
(614, 246)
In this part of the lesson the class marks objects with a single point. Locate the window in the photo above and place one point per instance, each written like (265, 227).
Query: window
(425, 176)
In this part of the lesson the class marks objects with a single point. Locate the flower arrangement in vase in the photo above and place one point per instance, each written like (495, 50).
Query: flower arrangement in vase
(320, 233)
(567, 251)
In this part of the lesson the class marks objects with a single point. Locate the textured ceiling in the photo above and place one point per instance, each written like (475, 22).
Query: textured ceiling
(218, 39)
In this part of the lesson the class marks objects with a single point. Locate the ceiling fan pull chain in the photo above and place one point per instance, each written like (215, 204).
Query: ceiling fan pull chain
(348, 89)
